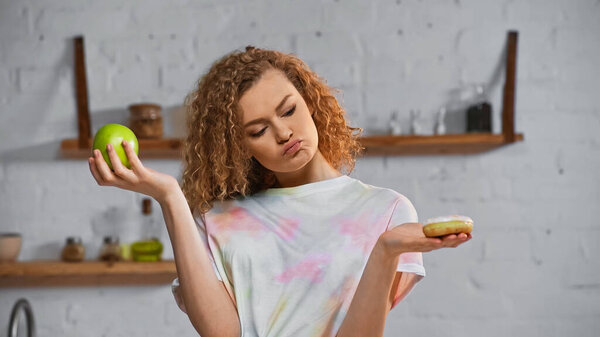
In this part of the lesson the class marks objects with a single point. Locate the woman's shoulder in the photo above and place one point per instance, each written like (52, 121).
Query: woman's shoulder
(219, 207)
(380, 191)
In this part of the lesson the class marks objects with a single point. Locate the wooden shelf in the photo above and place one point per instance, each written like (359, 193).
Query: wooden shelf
(433, 145)
(149, 148)
(374, 145)
(49, 273)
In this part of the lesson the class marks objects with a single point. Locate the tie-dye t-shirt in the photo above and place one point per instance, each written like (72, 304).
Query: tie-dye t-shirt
(291, 258)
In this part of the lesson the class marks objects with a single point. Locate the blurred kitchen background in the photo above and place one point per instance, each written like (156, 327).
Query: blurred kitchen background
(532, 266)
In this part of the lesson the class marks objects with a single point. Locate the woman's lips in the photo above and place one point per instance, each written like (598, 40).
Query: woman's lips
(293, 148)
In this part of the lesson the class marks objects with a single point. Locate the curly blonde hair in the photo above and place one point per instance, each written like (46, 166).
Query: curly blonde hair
(216, 164)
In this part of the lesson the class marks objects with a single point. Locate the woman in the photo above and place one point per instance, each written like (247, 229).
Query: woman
(270, 238)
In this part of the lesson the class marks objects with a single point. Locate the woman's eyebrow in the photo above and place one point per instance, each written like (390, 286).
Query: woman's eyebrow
(259, 120)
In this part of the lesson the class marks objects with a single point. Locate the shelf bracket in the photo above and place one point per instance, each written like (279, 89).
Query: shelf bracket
(83, 111)
(508, 103)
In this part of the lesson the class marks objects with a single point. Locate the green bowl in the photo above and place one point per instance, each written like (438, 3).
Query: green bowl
(149, 250)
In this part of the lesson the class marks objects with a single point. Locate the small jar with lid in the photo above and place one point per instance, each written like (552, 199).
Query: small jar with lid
(111, 250)
(145, 120)
(73, 251)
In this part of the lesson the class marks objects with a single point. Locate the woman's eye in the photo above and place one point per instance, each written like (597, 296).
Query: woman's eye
(259, 133)
(290, 112)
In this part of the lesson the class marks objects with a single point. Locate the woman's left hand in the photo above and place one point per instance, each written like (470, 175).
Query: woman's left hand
(409, 237)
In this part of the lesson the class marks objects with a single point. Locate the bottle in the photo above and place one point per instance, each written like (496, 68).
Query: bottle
(73, 251)
(415, 126)
(149, 248)
(110, 251)
(440, 124)
(479, 114)
(395, 126)
(150, 227)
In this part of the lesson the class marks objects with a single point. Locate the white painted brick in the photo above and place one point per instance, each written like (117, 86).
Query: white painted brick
(571, 304)
(384, 46)
(356, 16)
(530, 268)
(534, 11)
(211, 48)
(580, 12)
(351, 99)
(15, 21)
(141, 78)
(293, 17)
(497, 327)
(37, 80)
(577, 44)
(179, 78)
(442, 300)
(8, 84)
(78, 21)
(495, 244)
(385, 72)
(478, 51)
(380, 102)
(328, 46)
(422, 69)
(336, 74)
(35, 51)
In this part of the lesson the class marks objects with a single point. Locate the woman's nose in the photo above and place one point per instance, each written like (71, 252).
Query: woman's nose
(283, 137)
(283, 133)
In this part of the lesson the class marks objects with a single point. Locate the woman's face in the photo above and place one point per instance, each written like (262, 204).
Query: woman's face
(274, 117)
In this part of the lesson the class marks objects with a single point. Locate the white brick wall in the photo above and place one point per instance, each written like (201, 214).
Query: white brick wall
(531, 268)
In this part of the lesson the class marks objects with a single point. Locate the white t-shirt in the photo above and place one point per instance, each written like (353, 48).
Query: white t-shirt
(291, 258)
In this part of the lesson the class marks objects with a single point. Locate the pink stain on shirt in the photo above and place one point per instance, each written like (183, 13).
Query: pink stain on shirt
(363, 231)
(310, 268)
(237, 219)
(287, 229)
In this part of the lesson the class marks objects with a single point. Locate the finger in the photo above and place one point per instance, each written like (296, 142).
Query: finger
(94, 170)
(462, 238)
(103, 169)
(134, 160)
(448, 240)
(432, 243)
(118, 167)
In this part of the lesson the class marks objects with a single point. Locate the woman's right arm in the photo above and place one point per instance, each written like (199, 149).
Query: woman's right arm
(208, 305)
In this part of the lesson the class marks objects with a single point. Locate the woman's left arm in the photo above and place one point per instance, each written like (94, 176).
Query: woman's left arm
(370, 304)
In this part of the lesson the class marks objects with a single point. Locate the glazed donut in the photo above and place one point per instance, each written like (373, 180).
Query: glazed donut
(449, 224)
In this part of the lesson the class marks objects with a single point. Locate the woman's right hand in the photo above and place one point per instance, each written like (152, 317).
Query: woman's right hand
(139, 178)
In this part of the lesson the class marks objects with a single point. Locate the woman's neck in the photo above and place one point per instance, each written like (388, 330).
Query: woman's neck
(316, 170)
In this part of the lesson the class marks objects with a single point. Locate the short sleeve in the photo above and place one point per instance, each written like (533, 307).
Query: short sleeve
(410, 264)
(175, 283)
(202, 230)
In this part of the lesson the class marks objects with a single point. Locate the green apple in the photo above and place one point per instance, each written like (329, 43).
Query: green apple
(115, 134)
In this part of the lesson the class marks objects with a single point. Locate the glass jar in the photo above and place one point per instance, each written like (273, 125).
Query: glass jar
(73, 251)
(111, 250)
(145, 120)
